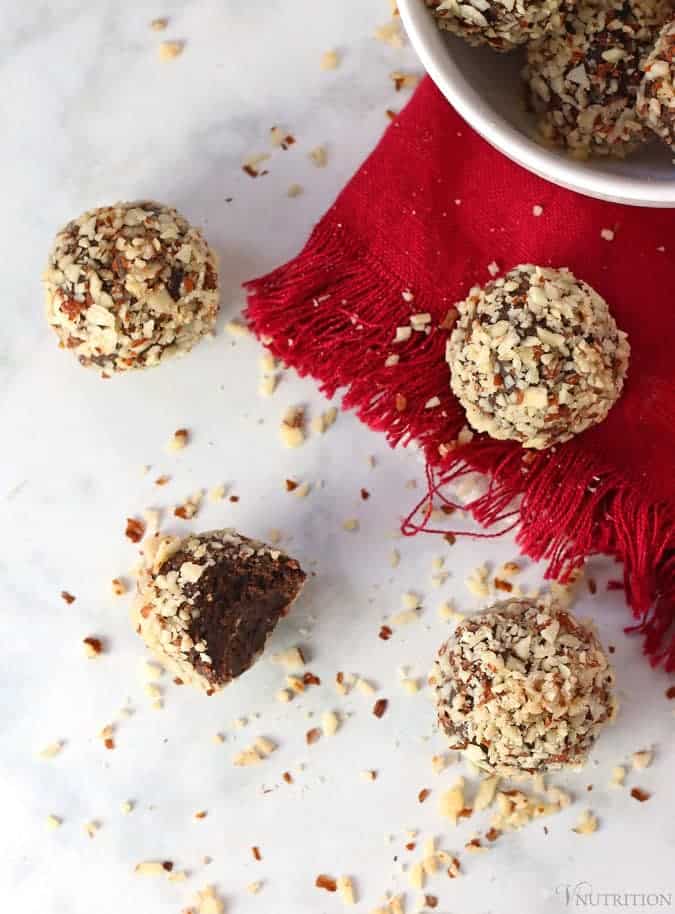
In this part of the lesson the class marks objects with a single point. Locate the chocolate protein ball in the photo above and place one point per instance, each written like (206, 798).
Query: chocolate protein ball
(656, 96)
(583, 80)
(502, 24)
(129, 285)
(523, 687)
(206, 604)
(535, 356)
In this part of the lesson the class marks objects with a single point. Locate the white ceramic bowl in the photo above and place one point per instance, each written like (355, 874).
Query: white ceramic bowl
(486, 90)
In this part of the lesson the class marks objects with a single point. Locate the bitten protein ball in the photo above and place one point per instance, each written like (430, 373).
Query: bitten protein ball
(656, 97)
(583, 80)
(502, 24)
(536, 357)
(206, 604)
(523, 687)
(130, 285)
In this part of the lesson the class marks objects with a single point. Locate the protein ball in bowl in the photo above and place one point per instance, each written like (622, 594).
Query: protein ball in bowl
(130, 285)
(523, 687)
(583, 80)
(536, 357)
(502, 24)
(206, 604)
(656, 96)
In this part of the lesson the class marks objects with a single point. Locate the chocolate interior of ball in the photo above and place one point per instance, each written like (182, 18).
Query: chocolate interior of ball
(240, 599)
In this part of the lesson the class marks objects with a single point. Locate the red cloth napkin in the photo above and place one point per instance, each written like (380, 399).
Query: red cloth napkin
(430, 208)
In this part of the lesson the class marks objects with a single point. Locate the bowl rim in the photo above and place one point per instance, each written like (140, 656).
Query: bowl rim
(479, 114)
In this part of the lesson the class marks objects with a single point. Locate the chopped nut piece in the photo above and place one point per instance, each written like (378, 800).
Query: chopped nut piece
(54, 821)
(405, 617)
(208, 902)
(390, 33)
(508, 569)
(401, 403)
(312, 736)
(158, 25)
(474, 846)
(119, 588)
(448, 613)
(642, 759)
(153, 868)
(365, 687)
(607, 234)
(346, 889)
(254, 887)
(640, 795)
(452, 801)
(281, 139)
(330, 723)
(410, 601)
(618, 776)
(135, 529)
(394, 558)
(179, 440)
(293, 427)
(537, 210)
(477, 582)
(52, 750)
(284, 696)
(423, 794)
(264, 746)
(290, 659)
(417, 876)
(385, 633)
(256, 853)
(325, 882)
(267, 385)
(404, 80)
(93, 647)
(380, 707)
(369, 775)
(294, 190)
(329, 60)
(247, 758)
(454, 868)
(486, 793)
(67, 597)
(127, 807)
(350, 525)
(237, 328)
(92, 827)
(439, 763)
(319, 156)
(170, 49)
(402, 334)
(411, 686)
(431, 901)
(587, 823)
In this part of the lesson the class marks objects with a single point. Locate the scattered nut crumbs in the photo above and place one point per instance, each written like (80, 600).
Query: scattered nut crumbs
(537, 210)
(390, 33)
(52, 750)
(330, 723)
(380, 707)
(256, 853)
(251, 163)
(293, 427)
(423, 794)
(280, 139)
(439, 763)
(119, 588)
(127, 807)
(92, 827)
(294, 190)
(640, 795)
(417, 876)
(208, 901)
(162, 480)
(54, 821)
(313, 736)
(134, 529)
(607, 234)
(106, 735)
(642, 759)
(411, 686)
(330, 60)
(168, 50)
(477, 582)
(254, 887)
(319, 156)
(369, 775)
(618, 776)
(404, 80)
(385, 633)
(158, 25)
(288, 777)
(365, 687)
(201, 814)
(325, 882)
(346, 889)
(93, 647)
(350, 525)
(153, 867)
(67, 597)
(394, 558)
(405, 617)
(290, 659)
(587, 823)
(237, 327)
(452, 801)
(324, 421)
(178, 440)
(401, 403)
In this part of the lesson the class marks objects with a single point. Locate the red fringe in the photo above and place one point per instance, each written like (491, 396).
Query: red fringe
(332, 313)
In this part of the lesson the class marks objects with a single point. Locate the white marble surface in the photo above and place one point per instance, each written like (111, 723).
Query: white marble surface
(90, 115)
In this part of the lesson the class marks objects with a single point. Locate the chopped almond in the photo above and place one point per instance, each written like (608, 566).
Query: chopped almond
(329, 60)
(325, 882)
(452, 801)
(178, 440)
